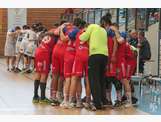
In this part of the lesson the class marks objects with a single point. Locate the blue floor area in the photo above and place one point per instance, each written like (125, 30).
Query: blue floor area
(149, 100)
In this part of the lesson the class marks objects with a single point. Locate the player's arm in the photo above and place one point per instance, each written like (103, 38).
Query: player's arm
(62, 36)
(115, 46)
(85, 36)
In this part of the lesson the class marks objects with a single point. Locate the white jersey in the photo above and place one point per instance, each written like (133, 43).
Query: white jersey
(31, 46)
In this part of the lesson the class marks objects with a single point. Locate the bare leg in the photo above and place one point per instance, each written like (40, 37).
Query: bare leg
(67, 89)
(74, 87)
(7, 63)
(54, 85)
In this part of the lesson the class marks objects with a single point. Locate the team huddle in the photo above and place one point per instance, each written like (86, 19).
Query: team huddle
(72, 51)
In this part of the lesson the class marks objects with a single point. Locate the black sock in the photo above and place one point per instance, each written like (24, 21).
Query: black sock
(36, 87)
(43, 89)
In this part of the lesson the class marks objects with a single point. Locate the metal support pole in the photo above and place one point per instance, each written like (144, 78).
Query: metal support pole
(94, 15)
(159, 37)
(126, 19)
(136, 18)
(117, 16)
(147, 19)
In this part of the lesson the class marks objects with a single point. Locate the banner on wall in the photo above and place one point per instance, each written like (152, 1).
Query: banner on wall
(17, 17)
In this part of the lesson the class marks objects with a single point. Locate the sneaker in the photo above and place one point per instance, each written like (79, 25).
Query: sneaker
(54, 102)
(134, 101)
(86, 105)
(107, 103)
(45, 101)
(35, 99)
(64, 105)
(123, 99)
(60, 98)
(117, 104)
(92, 107)
(128, 104)
(72, 105)
(13, 68)
(17, 70)
(83, 99)
(29, 71)
(79, 105)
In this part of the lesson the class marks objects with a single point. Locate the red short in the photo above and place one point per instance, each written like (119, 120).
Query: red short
(111, 70)
(68, 64)
(80, 67)
(58, 60)
(131, 67)
(42, 61)
(121, 69)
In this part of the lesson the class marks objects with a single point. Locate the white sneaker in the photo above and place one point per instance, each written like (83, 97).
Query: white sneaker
(64, 105)
(71, 105)
(128, 104)
(79, 105)
(86, 105)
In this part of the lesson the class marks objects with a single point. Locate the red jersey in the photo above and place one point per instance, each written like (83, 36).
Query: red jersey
(82, 50)
(121, 51)
(47, 45)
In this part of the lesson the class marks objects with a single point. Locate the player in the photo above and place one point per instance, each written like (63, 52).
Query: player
(57, 66)
(42, 65)
(19, 53)
(111, 70)
(80, 69)
(122, 72)
(69, 57)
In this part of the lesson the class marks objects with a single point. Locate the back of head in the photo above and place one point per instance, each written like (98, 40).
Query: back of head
(17, 28)
(25, 27)
(82, 24)
(142, 33)
(115, 25)
(105, 20)
(108, 15)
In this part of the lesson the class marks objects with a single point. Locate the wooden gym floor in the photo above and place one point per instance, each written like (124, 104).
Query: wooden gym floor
(16, 91)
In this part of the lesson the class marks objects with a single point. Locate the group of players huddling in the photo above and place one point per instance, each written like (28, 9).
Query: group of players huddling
(63, 51)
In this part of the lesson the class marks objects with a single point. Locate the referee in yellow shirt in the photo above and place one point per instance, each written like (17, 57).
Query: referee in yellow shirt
(96, 35)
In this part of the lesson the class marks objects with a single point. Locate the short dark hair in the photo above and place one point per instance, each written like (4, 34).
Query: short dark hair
(82, 24)
(142, 33)
(25, 27)
(105, 20)
(108, 15)
(17, 28)
(56, 24)
(115, 24)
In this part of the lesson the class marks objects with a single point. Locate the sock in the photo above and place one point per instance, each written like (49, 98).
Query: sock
(78, 98)
(53, 94)
(108, 94)
(72, 99)
(128, 94)
(36, 87)
(43, 89)
(88, 99)
(119, 96)
(66, 97)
